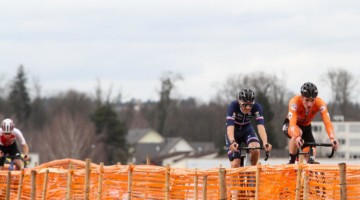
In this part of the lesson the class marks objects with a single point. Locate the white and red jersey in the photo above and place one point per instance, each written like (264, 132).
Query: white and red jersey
(15, 135)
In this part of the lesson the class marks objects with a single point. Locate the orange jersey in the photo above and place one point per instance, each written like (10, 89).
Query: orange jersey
(297, 115)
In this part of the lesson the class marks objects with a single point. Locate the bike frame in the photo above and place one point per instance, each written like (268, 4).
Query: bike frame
(242, 157)
(12, 162)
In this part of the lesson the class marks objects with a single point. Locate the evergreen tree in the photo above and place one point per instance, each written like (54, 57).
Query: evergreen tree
(107, 123)
(19, 99)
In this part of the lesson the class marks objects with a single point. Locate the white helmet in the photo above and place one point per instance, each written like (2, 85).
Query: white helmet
(7, 125)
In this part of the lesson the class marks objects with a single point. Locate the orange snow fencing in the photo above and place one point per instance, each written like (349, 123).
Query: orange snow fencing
(74, 179)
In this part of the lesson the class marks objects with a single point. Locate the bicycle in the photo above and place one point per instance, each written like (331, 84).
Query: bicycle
(320, 192)
(246, 179)
(9, 160)
(311, 157)
(248, 149)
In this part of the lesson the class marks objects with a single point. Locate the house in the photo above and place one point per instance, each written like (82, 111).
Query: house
(148, 144)
(136, 136)
(346, 132)
(156, 151)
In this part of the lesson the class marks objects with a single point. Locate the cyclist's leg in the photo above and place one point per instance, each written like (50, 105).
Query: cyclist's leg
(18, 163)
(2, 162)
(308, 137)
(293, 150)
(235, 161)
(14, 151)
(234, 157)
(2, 157)
(252, 141)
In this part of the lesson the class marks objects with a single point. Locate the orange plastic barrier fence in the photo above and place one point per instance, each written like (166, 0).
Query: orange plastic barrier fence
(74, 179)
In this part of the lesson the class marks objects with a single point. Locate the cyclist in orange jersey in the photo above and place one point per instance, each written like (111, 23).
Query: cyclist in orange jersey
(297, 125)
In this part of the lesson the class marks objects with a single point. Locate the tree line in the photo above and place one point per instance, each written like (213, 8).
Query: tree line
(73, 124)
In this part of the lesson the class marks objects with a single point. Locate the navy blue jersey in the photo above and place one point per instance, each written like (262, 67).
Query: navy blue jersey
(237, 118)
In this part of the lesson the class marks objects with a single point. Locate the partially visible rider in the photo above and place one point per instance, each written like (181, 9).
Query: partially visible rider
(240, 112)
(297, 124)
(8, 146)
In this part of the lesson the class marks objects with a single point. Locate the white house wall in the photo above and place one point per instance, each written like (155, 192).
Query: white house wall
(202, 163)
(181, 146)
(152, 137)
(348, 134)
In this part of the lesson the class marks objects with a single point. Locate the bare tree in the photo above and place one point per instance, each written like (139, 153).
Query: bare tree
(270, 85)
(270, 91)
(342, 83)
(69, 135)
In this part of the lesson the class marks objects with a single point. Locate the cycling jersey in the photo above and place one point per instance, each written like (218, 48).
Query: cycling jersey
(243, 130)
(235, 117)
(7, 141)
(298, 115)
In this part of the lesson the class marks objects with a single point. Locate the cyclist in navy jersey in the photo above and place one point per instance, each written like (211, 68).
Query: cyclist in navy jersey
(240, 112)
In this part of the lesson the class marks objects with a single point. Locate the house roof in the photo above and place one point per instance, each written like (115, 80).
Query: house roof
(164, 150)
(134, 135)
(159, 159)
(170, 142)
(147, 149)
(156, 150)
(203, 146)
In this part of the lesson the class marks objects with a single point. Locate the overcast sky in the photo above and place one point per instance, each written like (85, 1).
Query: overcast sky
(129, 44)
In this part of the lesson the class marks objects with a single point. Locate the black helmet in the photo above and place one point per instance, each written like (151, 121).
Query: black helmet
(246, 95)
(309, 90)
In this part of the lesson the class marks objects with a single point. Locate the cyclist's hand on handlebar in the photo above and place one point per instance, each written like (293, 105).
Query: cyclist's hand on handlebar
(299, 142)
(267, 147)
(27, 158)
(234, 146)
(334, 143)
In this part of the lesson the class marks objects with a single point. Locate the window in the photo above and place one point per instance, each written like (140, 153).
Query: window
(317, 128)
(354, 128)
(340, 155)
(354, 156)
(354, 142)
(340, 128)
(342, 141)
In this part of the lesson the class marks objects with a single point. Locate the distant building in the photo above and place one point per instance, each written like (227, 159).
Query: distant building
(348, 135)
(147, 144)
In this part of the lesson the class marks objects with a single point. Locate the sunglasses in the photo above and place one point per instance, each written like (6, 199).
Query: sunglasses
(7, 133)
(247, 104)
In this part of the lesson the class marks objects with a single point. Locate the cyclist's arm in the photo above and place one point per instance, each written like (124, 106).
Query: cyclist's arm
(230, 126)
(328, 125)
(262, 133)
(230, 121)
(261, 127)
(292, 116)
(326, 119)
(230, 133)
(25, 149)
(19, 136)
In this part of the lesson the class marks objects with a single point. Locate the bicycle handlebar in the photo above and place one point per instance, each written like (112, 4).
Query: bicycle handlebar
(267, 154)
(314, 144)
